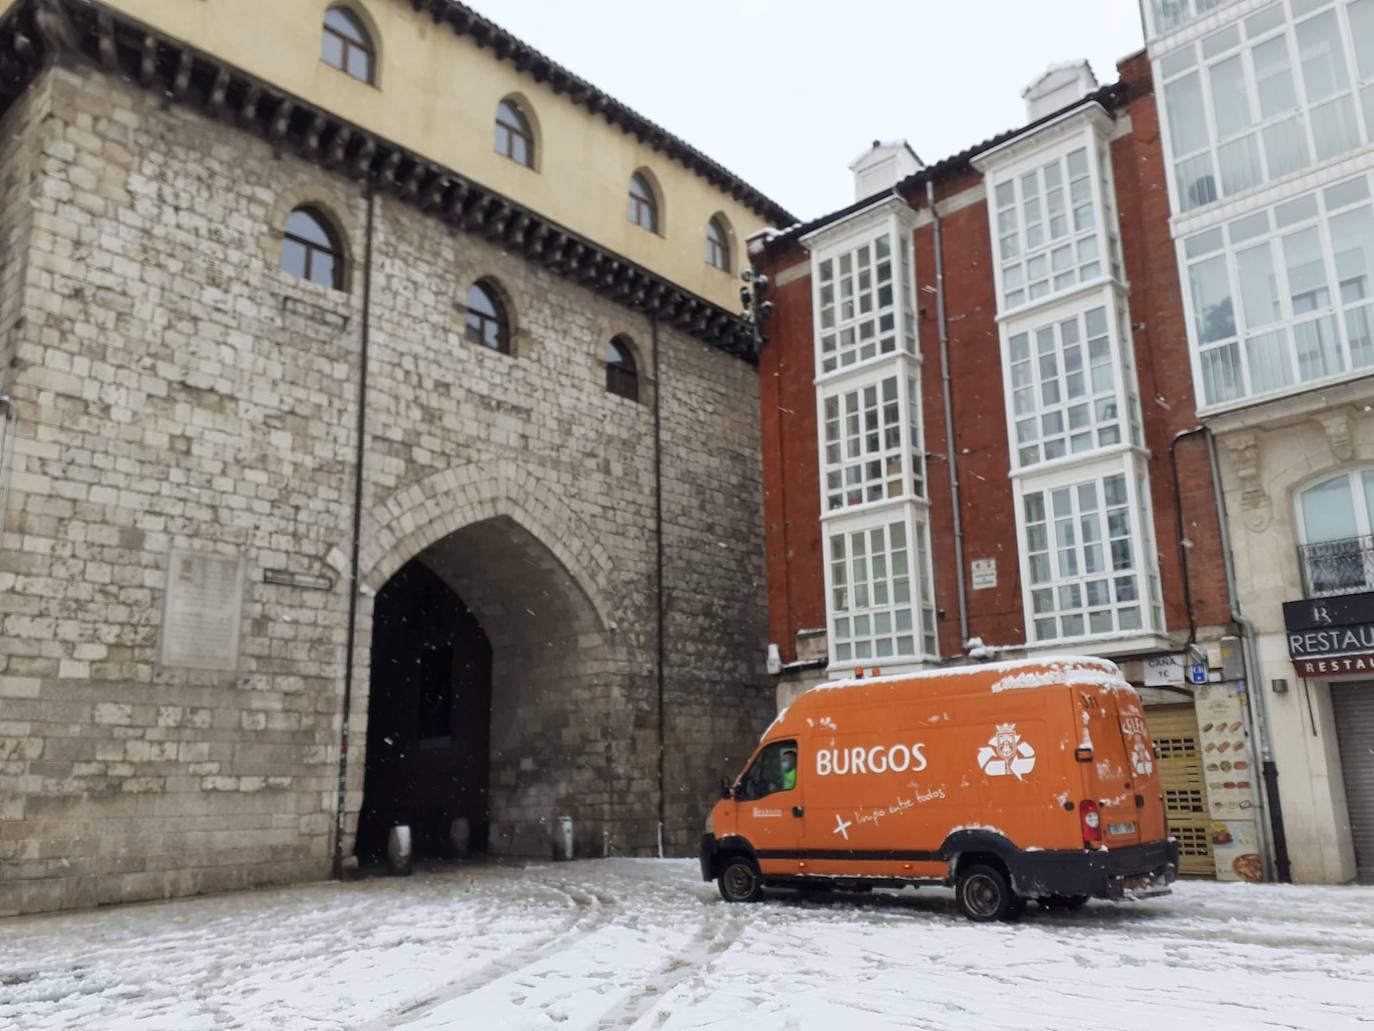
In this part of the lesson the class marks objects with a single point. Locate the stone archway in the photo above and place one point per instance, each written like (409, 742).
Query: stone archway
(521, 566)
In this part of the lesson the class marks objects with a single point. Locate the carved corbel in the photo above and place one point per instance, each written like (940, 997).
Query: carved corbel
(1340, 434)
(1257, 508)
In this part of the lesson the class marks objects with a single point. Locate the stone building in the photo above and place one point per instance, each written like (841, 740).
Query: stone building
(980, 438)
(354, 297)
(1268, 126)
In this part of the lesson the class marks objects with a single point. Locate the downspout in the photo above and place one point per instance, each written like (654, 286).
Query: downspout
(353, 582)
(7, 459)
(1259, 709)
(658, 578)
(1182, 534)
(951, 456)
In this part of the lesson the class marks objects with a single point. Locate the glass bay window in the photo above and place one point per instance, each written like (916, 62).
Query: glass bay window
(1268, 95)
(1283, 297)
(880, 601)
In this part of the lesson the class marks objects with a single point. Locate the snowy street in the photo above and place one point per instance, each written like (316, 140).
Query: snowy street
(646, 944)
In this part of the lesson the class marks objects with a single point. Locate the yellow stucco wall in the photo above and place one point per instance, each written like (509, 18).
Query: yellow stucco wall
(5, 5)
(436, 95)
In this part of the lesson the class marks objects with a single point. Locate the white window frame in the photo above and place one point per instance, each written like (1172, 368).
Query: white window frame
(893, 220)
(1145, 567)
(1121, 358)
(1361, 91)
(910, 477)
(925, 629)
(1086, 129)
(1194, 9)
(1337, 309)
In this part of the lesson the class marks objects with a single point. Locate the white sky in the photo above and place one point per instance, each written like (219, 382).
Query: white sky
(785, 93)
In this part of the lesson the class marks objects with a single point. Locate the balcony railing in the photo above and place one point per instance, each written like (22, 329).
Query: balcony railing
(1337, 567)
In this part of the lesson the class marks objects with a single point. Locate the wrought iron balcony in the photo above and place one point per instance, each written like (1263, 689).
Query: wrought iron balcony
(1337, 567)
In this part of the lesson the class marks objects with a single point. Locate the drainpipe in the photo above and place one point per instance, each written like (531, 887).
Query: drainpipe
(1259, 711)
(7, 460)
(1182, 534)
(658, 577)
(354, 586)
(951, 456)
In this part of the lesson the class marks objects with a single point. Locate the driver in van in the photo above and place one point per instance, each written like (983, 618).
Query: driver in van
(789, 769)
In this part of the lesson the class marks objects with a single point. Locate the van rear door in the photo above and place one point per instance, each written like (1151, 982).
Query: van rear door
(1109, 778)
(1140, 751)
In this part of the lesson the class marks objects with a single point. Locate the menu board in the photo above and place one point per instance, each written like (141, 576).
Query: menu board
(1232, 776)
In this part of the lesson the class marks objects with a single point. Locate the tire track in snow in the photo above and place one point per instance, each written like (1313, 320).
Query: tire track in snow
(599, 911)
(712, 940)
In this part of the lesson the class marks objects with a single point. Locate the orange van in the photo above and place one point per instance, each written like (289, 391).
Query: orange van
(1008, 781)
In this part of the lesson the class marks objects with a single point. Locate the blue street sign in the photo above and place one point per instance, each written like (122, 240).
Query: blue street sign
(1197, 673)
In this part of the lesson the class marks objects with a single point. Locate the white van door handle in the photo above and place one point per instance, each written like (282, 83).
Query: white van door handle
(797, 810)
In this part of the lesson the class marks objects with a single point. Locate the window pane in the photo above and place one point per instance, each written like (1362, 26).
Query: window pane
(1274, 77)
(1306, 271)
(307, 227)
(1221, 380)
(1335, 127)
(1259, 287)
(1230, 98)
(1352, 238)
(1187, 122)
(322, 268)
(1285, 146)
(1213, 315)
(1270, 368)
(1240, 164)
(344, 24)
(1328, 511)
(1317, 349)
(293, 258)
(359, 64)
(332, 50)
(1324, 72)
(1361, 14)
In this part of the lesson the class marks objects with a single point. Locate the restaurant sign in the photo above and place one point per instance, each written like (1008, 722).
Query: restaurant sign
(1331, 636)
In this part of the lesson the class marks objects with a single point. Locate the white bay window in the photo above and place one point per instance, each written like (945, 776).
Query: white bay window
(879, 585)
(1284, 297)
(871, 436)
(1268, 95)
(865, 300)
(1089, 561)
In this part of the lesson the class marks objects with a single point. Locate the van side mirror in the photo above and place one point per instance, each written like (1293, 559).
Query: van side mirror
(725, 790)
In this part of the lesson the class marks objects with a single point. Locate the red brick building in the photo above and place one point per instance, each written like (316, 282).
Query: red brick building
(976, 418)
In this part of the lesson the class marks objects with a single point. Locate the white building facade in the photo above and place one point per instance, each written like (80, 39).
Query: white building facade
(1267, 110)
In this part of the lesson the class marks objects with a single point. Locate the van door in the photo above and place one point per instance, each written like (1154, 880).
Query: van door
(1109, 778)
(769, 807)
(1149, 781)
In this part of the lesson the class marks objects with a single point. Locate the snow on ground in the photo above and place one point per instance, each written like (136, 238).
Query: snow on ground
(646, 944)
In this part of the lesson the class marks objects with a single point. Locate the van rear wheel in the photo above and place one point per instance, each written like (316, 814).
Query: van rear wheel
(984, 895)
(739, 880)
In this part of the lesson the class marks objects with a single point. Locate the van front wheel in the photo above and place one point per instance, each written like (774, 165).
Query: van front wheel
(739, 881)
(985, 894)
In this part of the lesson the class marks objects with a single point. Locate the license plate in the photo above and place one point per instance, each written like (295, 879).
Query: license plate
(1120, 828)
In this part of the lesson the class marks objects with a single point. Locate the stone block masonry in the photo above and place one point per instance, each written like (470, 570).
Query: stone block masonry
(179, 392)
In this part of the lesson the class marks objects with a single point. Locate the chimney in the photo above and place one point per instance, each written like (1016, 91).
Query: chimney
(1059, 86)
(882, 167)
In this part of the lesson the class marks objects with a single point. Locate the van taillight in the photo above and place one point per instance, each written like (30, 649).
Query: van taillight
(1092, 822)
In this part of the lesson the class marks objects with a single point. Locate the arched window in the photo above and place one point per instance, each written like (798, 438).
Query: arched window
(310, 249)
(643, 203)
(622, 377)
(487, 323)
(1336, 520)
(718, 244)
(514, 137)
(346, 45)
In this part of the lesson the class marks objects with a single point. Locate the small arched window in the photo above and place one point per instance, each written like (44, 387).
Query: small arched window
(718, 244)
(310, 250)
(487, 322)
(347, 46)
(622, 376)
(643, 203)
(514, 137)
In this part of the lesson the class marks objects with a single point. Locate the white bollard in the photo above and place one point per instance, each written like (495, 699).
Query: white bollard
(564, 841)
(398, 852)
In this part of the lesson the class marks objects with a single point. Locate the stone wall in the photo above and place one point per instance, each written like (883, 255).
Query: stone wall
(180, 392)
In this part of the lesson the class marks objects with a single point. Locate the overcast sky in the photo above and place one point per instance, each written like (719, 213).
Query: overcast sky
(785, 93)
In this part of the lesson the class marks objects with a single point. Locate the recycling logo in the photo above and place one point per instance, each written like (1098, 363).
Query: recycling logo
(1005, 753)
(1141, 759)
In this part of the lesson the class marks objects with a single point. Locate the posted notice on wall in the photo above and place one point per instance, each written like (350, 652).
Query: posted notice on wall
(201, 612)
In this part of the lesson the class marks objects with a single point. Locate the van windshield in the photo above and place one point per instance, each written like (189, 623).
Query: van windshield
(773, 770)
